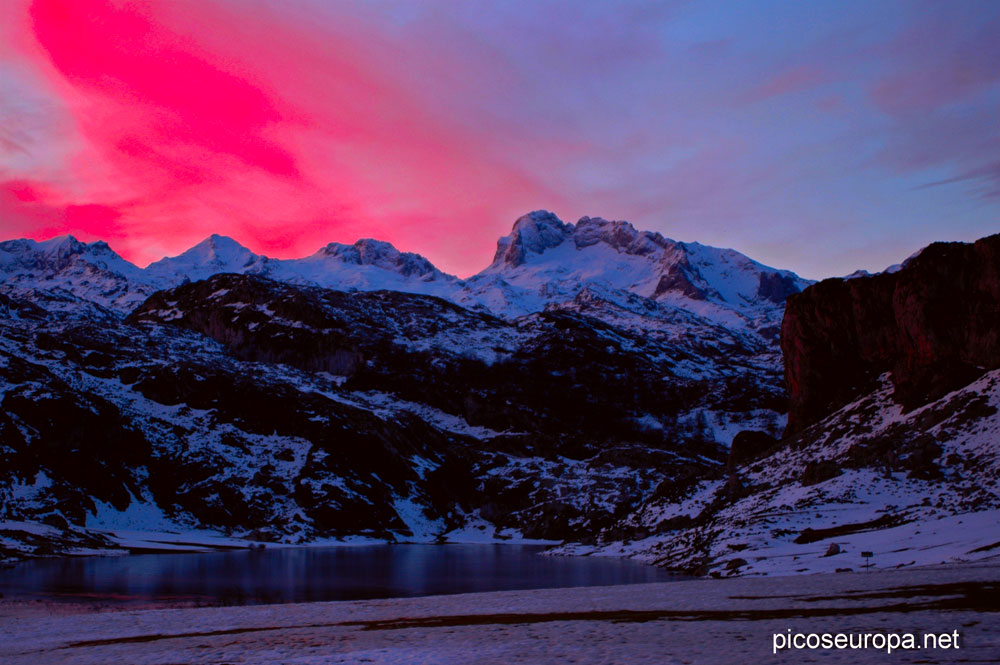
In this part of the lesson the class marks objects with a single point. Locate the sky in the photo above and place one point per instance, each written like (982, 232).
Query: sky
(819, 137)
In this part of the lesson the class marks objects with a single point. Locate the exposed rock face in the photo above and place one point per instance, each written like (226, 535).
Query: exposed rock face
(934, 324)
(532, 234)
(776, 287)
(618, 234)
(677, 278)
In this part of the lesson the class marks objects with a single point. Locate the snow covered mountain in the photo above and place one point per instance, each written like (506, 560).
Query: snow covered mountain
(289, 413)
(367, 265)
(64, 267)
(544, 261)
(915, 488)
(213, 255)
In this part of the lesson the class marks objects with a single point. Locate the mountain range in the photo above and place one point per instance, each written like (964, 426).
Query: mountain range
(542, 262)
(595, 385)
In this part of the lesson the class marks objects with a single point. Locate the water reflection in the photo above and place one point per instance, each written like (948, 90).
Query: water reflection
(314, 574)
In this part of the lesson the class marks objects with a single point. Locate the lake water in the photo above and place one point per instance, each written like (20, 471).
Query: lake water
(315, 574)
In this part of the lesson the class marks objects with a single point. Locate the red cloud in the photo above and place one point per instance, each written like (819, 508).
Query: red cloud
(155, 88)
(33, 208)
(278, 129)
(22, 191)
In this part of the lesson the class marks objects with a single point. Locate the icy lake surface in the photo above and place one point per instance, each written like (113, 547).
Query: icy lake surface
(316, 574)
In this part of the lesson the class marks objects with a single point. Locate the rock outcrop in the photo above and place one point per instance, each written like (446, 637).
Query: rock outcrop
(934, 324)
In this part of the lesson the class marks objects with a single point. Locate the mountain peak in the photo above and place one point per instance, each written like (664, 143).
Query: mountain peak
(214, 254)
(55, 251)
(541, 262)
(217, 244)
(545, 261)
(380, 254)
(63, 245)
(541, 230)
(532, 234)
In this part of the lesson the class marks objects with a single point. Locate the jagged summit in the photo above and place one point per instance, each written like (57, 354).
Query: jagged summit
(381, 254)
(67, 268)
(541, 230)
(532, 234)
(618, 234)
(52, 252)
(545, 261)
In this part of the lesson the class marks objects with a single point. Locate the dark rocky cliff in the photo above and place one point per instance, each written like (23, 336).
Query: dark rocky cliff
(934, 324)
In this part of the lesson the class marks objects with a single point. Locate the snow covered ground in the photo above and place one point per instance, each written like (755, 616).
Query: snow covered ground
(176, 538)
(698, 621)
(955, 538)
(877, 495)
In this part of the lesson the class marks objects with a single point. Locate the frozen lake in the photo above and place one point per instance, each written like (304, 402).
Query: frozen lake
(304, 574)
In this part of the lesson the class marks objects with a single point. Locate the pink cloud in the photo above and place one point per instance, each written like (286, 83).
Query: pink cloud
(935, 63)
(33, 208)
(794, 79)
(200, 118)
(160, 89)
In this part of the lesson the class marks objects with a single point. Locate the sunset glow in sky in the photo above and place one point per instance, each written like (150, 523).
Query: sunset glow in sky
(815, 136)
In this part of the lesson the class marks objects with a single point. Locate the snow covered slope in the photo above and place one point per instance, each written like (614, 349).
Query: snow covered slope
(286, 412)
(585, 387)
(913, 488)
(65, 268)
(367, 265)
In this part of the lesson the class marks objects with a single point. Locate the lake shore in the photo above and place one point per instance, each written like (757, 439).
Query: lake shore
(697, 621)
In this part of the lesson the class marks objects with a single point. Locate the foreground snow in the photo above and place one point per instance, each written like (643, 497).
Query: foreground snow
(703, 621)
(944, 510)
